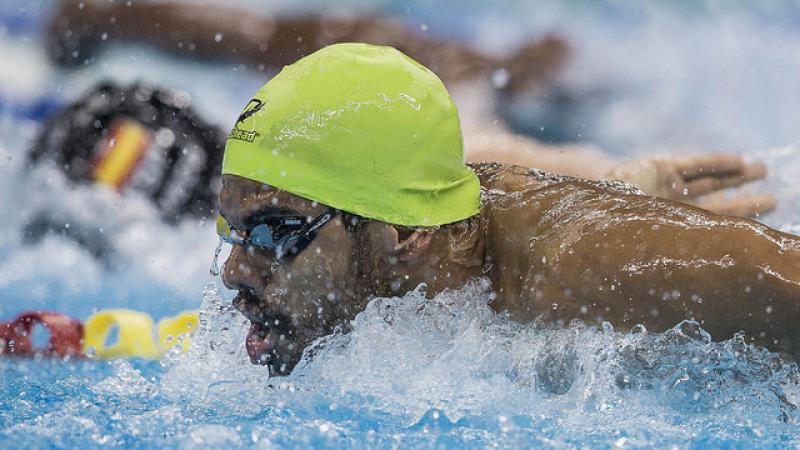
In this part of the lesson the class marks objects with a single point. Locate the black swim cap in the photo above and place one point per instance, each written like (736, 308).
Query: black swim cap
(137, 138)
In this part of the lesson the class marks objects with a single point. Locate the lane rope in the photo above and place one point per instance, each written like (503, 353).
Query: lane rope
(106, 334)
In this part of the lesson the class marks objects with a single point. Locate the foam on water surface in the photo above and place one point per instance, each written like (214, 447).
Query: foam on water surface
(443, 372)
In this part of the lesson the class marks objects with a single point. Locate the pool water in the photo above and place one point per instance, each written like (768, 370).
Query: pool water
(444, 373)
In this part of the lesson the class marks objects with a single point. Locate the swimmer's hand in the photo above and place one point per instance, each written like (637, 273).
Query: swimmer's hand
(699, 180)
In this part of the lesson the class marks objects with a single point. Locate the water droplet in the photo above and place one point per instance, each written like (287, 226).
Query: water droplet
(214, 270)
(395, 285)
(500, 78)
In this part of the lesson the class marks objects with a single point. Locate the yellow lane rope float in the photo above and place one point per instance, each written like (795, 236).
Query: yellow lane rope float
(135, 334)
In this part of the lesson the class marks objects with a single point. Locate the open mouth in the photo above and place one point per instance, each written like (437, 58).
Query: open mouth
(268, 333)
(261, 344)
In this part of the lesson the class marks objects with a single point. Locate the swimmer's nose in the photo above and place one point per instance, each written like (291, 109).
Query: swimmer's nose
(245, 270)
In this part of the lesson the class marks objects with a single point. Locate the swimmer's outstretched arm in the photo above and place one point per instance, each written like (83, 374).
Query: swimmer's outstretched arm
(598, 255)
(700, 179)
(496, 144)
(268, 42)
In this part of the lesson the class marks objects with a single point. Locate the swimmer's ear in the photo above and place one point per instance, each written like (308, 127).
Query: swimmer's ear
(380, 238)
(414, 245)
(403, 244)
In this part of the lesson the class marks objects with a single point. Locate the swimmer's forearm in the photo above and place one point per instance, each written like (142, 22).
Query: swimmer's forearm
(504, 147)
(209, 31)
(574, 160)
(260, 41)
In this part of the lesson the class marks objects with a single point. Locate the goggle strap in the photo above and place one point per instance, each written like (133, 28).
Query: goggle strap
(312, 229)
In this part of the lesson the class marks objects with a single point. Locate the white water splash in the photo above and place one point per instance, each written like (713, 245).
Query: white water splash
(454, 354)
(445, 371)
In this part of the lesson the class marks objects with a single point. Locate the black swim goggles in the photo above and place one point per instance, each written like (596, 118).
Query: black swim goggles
(284, 234)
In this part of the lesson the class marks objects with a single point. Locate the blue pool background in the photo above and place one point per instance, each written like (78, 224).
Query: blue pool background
(681, 77)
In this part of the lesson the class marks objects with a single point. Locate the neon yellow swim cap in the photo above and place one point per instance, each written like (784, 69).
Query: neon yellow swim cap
(361, 128)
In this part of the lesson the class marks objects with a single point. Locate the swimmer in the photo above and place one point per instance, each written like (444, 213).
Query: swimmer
(343, 180)
(137, 138)
(262, 42)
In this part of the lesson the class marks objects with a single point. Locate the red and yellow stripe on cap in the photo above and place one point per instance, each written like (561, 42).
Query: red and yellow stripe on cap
(120, 152)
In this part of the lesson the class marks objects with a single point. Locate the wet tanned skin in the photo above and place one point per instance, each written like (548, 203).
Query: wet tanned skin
(264, 41)
(594, 252)
(573, 250)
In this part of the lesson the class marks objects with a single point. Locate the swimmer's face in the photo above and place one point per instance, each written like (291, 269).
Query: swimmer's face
(296, 299)
(291, 301)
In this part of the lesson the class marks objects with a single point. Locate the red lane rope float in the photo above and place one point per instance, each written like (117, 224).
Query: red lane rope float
(137, 334)
(66, 335)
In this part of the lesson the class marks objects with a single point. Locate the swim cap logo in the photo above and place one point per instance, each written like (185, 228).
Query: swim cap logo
(253, 106)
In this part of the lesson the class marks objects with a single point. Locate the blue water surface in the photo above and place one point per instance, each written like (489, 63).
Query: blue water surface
(443, 373)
